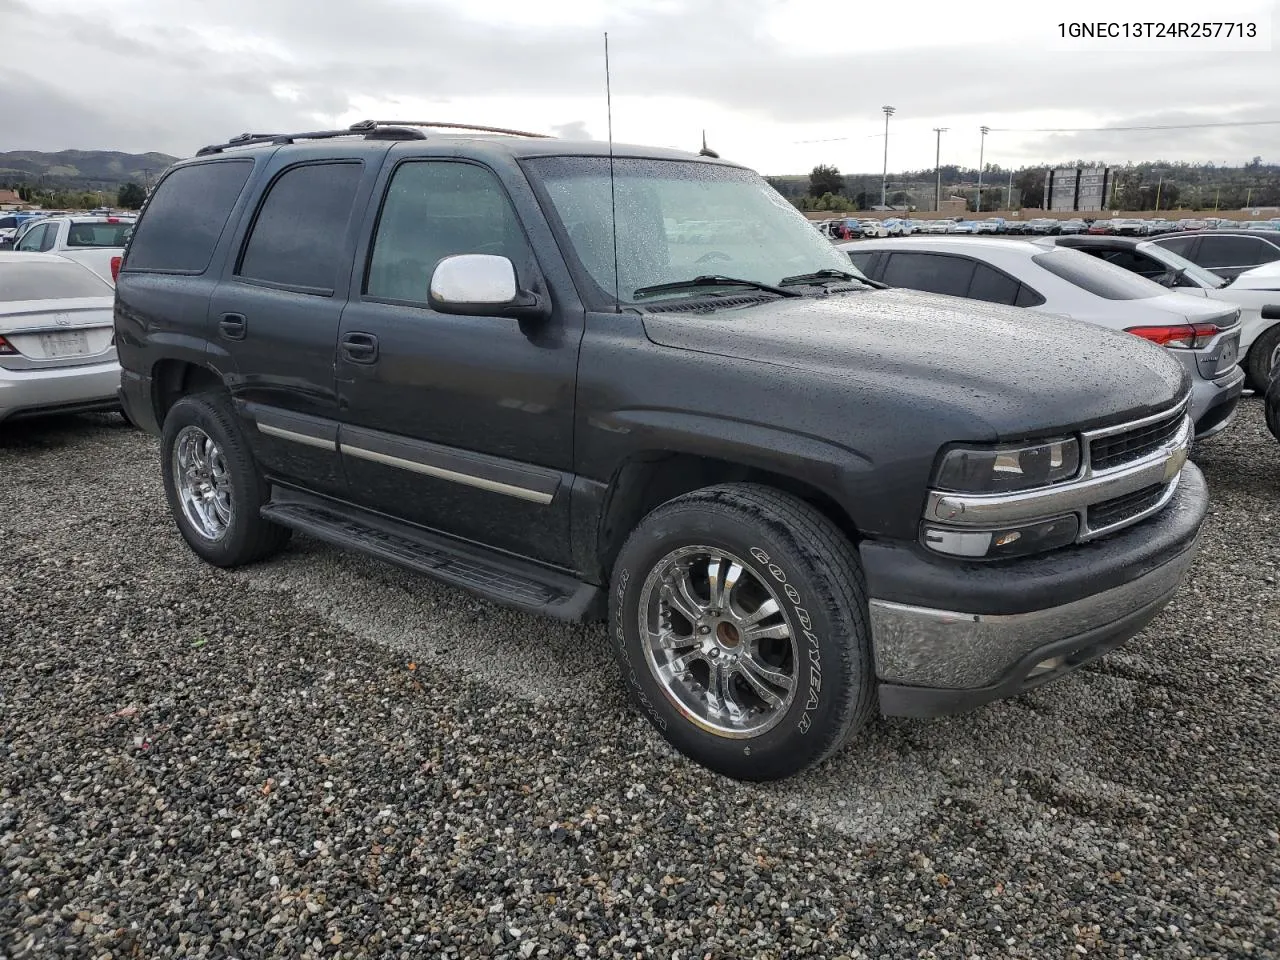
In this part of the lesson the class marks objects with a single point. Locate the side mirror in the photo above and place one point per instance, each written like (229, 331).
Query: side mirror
(482, 285)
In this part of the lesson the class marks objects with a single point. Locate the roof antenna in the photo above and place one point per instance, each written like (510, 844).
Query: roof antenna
(613, 197)
(707, 151)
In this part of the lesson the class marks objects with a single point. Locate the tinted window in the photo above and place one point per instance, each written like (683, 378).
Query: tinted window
(1179, 245)
(993, 286)
(435, 209)
(862, 261)
(930, 272)
(1132, 261)
(185, 215)
(298, 235)
(38, 280)
(1233, 252)
(8, 223)
(1027, 297)
(98, 234)
(1094, 276)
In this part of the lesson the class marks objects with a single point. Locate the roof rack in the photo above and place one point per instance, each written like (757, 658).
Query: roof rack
(372, 130)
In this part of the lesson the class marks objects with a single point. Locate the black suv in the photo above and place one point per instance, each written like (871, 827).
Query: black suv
(643, 387)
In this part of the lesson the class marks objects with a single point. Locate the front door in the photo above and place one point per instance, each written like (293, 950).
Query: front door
(460, 424)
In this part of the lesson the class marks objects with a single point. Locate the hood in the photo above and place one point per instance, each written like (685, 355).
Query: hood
(1021, 372)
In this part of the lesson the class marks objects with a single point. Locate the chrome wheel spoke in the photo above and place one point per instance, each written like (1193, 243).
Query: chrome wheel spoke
(779, 631)
(670, 640)
(766, 609)
(720, 695)
(722, 577)
(770, 684)
(679, 595)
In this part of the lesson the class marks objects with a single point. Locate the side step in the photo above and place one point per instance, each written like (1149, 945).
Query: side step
(494, 576)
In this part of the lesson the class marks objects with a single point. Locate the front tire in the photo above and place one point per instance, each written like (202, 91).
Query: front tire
(213, 485)
(739, 619)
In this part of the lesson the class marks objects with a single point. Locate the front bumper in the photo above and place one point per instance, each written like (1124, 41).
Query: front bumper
(78, 389)
(950, 636)
(1214, 402)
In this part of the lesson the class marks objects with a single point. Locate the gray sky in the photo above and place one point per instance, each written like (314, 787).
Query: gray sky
(762, 76)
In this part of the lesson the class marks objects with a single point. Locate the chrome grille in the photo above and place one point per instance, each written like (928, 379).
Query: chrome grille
(1117, 449)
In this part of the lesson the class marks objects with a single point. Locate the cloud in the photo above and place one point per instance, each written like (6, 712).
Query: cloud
(573, 130)
(171, 75)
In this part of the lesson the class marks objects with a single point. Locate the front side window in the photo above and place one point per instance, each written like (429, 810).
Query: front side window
(1097, 277)
(297, 238)
(436, 209)
(676, 220)
(930, 272)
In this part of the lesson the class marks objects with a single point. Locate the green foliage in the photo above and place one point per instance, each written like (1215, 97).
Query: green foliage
(824, 179)
(131, 196)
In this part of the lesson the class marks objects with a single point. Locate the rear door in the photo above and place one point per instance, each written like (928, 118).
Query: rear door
(274, 315)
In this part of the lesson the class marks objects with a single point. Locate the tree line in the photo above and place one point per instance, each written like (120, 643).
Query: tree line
(1149, 185)
(129, 196)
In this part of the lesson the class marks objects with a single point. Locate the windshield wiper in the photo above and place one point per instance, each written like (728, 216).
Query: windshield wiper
(711, 280)
(827, 275)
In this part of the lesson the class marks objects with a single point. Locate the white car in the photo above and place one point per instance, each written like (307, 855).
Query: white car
(1258, 297)
(96, 242)
(1203, 335)
(57, 351)
(873, 228)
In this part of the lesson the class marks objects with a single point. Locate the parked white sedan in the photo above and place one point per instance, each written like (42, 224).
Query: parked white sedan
(57, 350)
(1204, 335)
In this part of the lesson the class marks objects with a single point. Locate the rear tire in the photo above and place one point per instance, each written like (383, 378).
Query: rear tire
(739, 620)
(214, 488)
(1257, 362)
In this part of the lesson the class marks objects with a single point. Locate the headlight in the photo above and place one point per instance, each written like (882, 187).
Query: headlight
(1008, 468)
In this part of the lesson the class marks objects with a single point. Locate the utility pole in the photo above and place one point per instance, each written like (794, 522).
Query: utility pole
(982, 149)
(937, 204)
(1159, 187)
(1008, 195)
(1216, 198)
(884, 179)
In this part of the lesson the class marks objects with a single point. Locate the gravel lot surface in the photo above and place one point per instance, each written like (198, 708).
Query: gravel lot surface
(324, 756)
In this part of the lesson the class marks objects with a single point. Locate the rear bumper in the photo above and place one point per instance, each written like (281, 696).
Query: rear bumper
(949, 637)
(29, 393)
(1214, 402)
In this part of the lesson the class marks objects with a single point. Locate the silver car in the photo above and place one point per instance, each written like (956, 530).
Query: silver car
(1203, 334)
(57, 348)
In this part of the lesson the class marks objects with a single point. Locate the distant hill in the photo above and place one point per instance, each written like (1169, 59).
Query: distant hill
(81, 169)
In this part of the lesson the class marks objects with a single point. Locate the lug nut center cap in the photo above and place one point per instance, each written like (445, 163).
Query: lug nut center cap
(727, 635)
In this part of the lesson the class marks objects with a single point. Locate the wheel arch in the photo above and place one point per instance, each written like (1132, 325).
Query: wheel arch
(171, 380)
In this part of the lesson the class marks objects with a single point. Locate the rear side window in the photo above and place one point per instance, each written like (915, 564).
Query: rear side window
(1095, 276)
(1234, 252)
(1179, 245)
(41, 280)
(297, 238)
(862, 260)
(931, 272)
(185, 217)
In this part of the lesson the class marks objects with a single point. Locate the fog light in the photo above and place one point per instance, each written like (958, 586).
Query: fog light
(999, 544)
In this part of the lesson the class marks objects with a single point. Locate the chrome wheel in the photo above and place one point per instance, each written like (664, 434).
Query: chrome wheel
(718, 641)
(203, 482)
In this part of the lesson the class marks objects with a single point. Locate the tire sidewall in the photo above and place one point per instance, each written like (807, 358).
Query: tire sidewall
(207, 413)
(822, 672)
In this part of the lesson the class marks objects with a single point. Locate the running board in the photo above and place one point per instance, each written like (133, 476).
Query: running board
(503, 579)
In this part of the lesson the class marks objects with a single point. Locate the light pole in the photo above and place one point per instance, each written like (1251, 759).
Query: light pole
(1008, 194)
(884, 179)
(937, 203)
(982, 148)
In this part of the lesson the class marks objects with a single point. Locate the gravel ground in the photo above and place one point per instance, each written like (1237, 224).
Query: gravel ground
(324, 756)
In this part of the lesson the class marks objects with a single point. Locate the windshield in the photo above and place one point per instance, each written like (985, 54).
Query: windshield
(1173, 261)
(678, 220)
(1098, 277)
